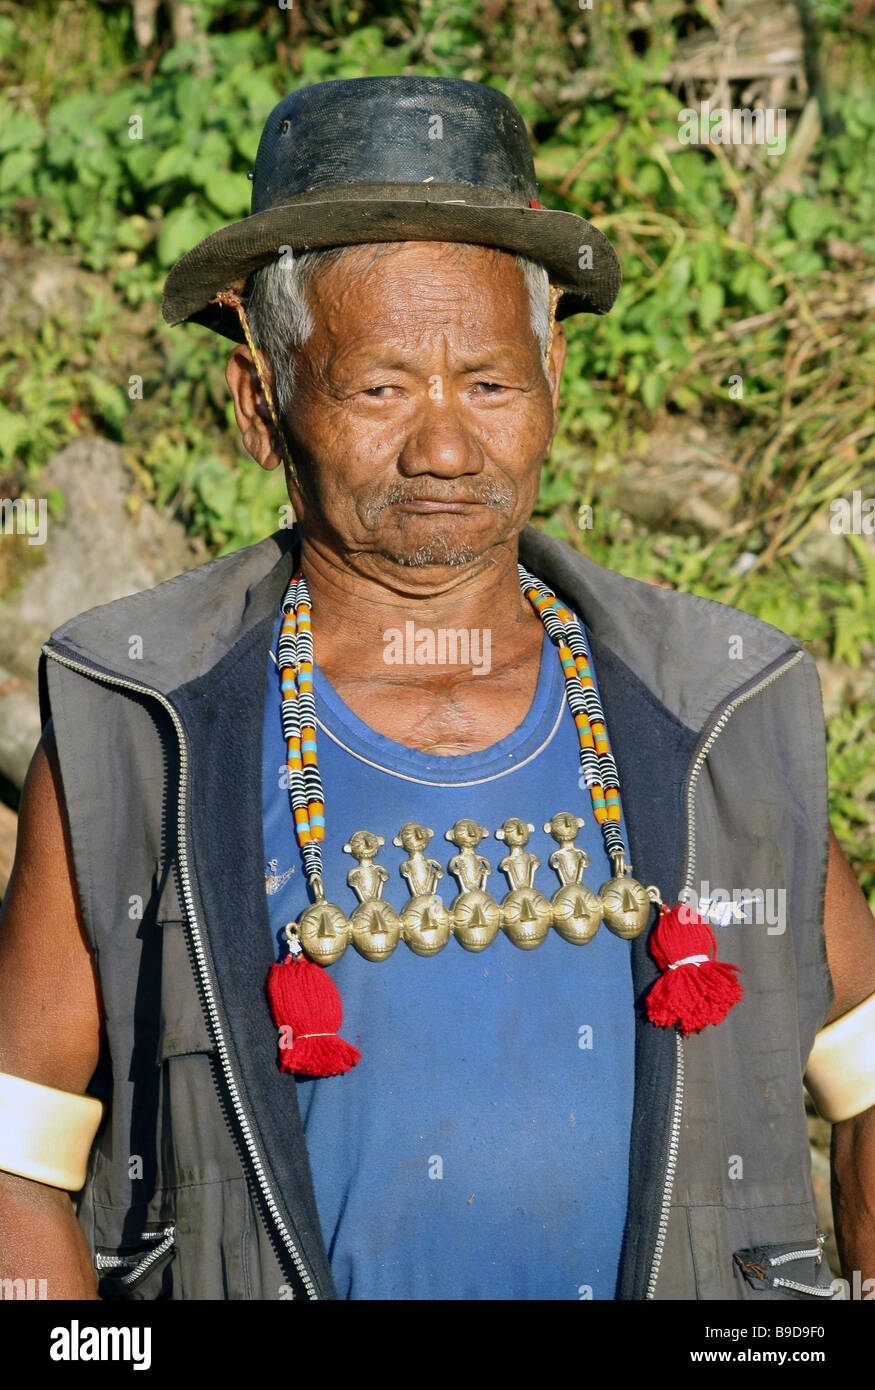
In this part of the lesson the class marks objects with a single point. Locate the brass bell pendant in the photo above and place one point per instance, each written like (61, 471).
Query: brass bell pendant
(425, 920)
(425, 924)
(476, 919)
(577, 912)
(626, 902)
(375, 925)
(323, 929)
(474, 914)
(376, 930)
(525, 913)
(526, 917)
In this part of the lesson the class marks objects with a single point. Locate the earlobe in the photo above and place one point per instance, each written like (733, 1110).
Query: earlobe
(258, 443)
(250, 410)
(558, 350)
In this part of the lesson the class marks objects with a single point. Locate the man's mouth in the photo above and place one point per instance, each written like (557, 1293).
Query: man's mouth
(429, 504)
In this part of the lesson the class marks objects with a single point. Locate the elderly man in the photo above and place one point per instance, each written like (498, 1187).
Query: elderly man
(399, 762)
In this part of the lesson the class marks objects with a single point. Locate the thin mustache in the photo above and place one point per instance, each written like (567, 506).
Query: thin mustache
(488, 494)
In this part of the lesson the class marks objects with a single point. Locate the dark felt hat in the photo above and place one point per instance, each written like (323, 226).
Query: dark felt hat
(372, 159)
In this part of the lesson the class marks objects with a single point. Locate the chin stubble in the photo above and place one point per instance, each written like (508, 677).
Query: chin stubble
(441, 550)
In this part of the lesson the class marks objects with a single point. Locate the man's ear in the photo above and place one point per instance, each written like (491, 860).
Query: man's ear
(250, 408)
(558, 350)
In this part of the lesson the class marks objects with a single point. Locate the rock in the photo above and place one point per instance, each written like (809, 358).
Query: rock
(20, 642)
(686, 481)
(32, 287)
(8, 837)
(20, 726)
(100, 548)
(826, 552)
(97, 550)
(744, 563)
(842, 686)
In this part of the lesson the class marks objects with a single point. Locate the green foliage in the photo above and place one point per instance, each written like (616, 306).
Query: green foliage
(727, 273)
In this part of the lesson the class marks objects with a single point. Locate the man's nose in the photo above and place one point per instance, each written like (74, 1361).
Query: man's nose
(439, 443)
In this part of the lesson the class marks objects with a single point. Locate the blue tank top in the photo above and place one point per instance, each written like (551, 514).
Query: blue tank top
(479, 1150)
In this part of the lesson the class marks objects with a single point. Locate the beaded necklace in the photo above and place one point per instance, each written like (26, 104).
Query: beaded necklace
(622, 901)
(694, 988)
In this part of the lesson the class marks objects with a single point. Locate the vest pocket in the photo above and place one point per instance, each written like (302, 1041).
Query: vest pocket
(139, 1270)
(195, 1142)
(183, 1027)
(795, 1270)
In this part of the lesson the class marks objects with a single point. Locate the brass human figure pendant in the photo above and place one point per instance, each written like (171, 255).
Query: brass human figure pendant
(474, 914)
(425, 920)
(375, 925)
(525, 913)
(577, 912)
(323, 929)
(625, 902)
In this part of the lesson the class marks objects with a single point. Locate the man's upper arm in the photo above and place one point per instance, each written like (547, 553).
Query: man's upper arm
(50, 1015)
(850, 934)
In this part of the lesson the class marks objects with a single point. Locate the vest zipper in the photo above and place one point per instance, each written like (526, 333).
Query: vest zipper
(203, 968)
(165, 1240)
(677, 1103)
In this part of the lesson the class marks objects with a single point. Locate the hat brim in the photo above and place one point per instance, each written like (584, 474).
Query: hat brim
(226, 258)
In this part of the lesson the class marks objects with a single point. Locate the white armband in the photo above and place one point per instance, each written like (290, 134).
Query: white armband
(46, 1134)
(841, 1069)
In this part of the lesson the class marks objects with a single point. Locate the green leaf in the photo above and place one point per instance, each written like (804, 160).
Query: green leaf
(246, 144)
(759, 291)
(183, 227)
(710, 305)
(18, 129)
(13, 428)
(702, 264)
(16, 167)
(175, 163)
(808, 219)
(230, 193)
(651, 391)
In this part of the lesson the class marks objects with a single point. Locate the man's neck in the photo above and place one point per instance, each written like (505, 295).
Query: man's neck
(377, 635)
(357, 599)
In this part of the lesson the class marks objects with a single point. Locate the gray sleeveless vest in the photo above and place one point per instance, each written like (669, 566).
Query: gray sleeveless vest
(199, 1183)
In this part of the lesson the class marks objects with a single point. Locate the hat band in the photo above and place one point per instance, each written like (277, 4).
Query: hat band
(420, 192)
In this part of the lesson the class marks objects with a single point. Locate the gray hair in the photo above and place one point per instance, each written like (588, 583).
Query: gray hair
(281, 319)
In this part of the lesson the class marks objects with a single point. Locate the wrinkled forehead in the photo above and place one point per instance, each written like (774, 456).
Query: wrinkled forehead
(392, 290)
(416, 265)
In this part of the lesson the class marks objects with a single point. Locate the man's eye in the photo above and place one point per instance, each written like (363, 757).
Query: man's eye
(374, 391)
(488, 388)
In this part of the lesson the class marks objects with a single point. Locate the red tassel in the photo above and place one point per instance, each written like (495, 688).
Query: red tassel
(306, 1007)
(693, 992)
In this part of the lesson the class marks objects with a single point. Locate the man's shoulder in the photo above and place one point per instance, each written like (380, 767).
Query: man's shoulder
(184, 620)
(621, 596)
(692, 652)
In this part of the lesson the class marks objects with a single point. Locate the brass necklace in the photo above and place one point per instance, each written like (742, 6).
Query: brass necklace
(474, 917)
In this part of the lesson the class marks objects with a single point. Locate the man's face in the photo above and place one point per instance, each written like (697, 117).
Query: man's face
(421, 412)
